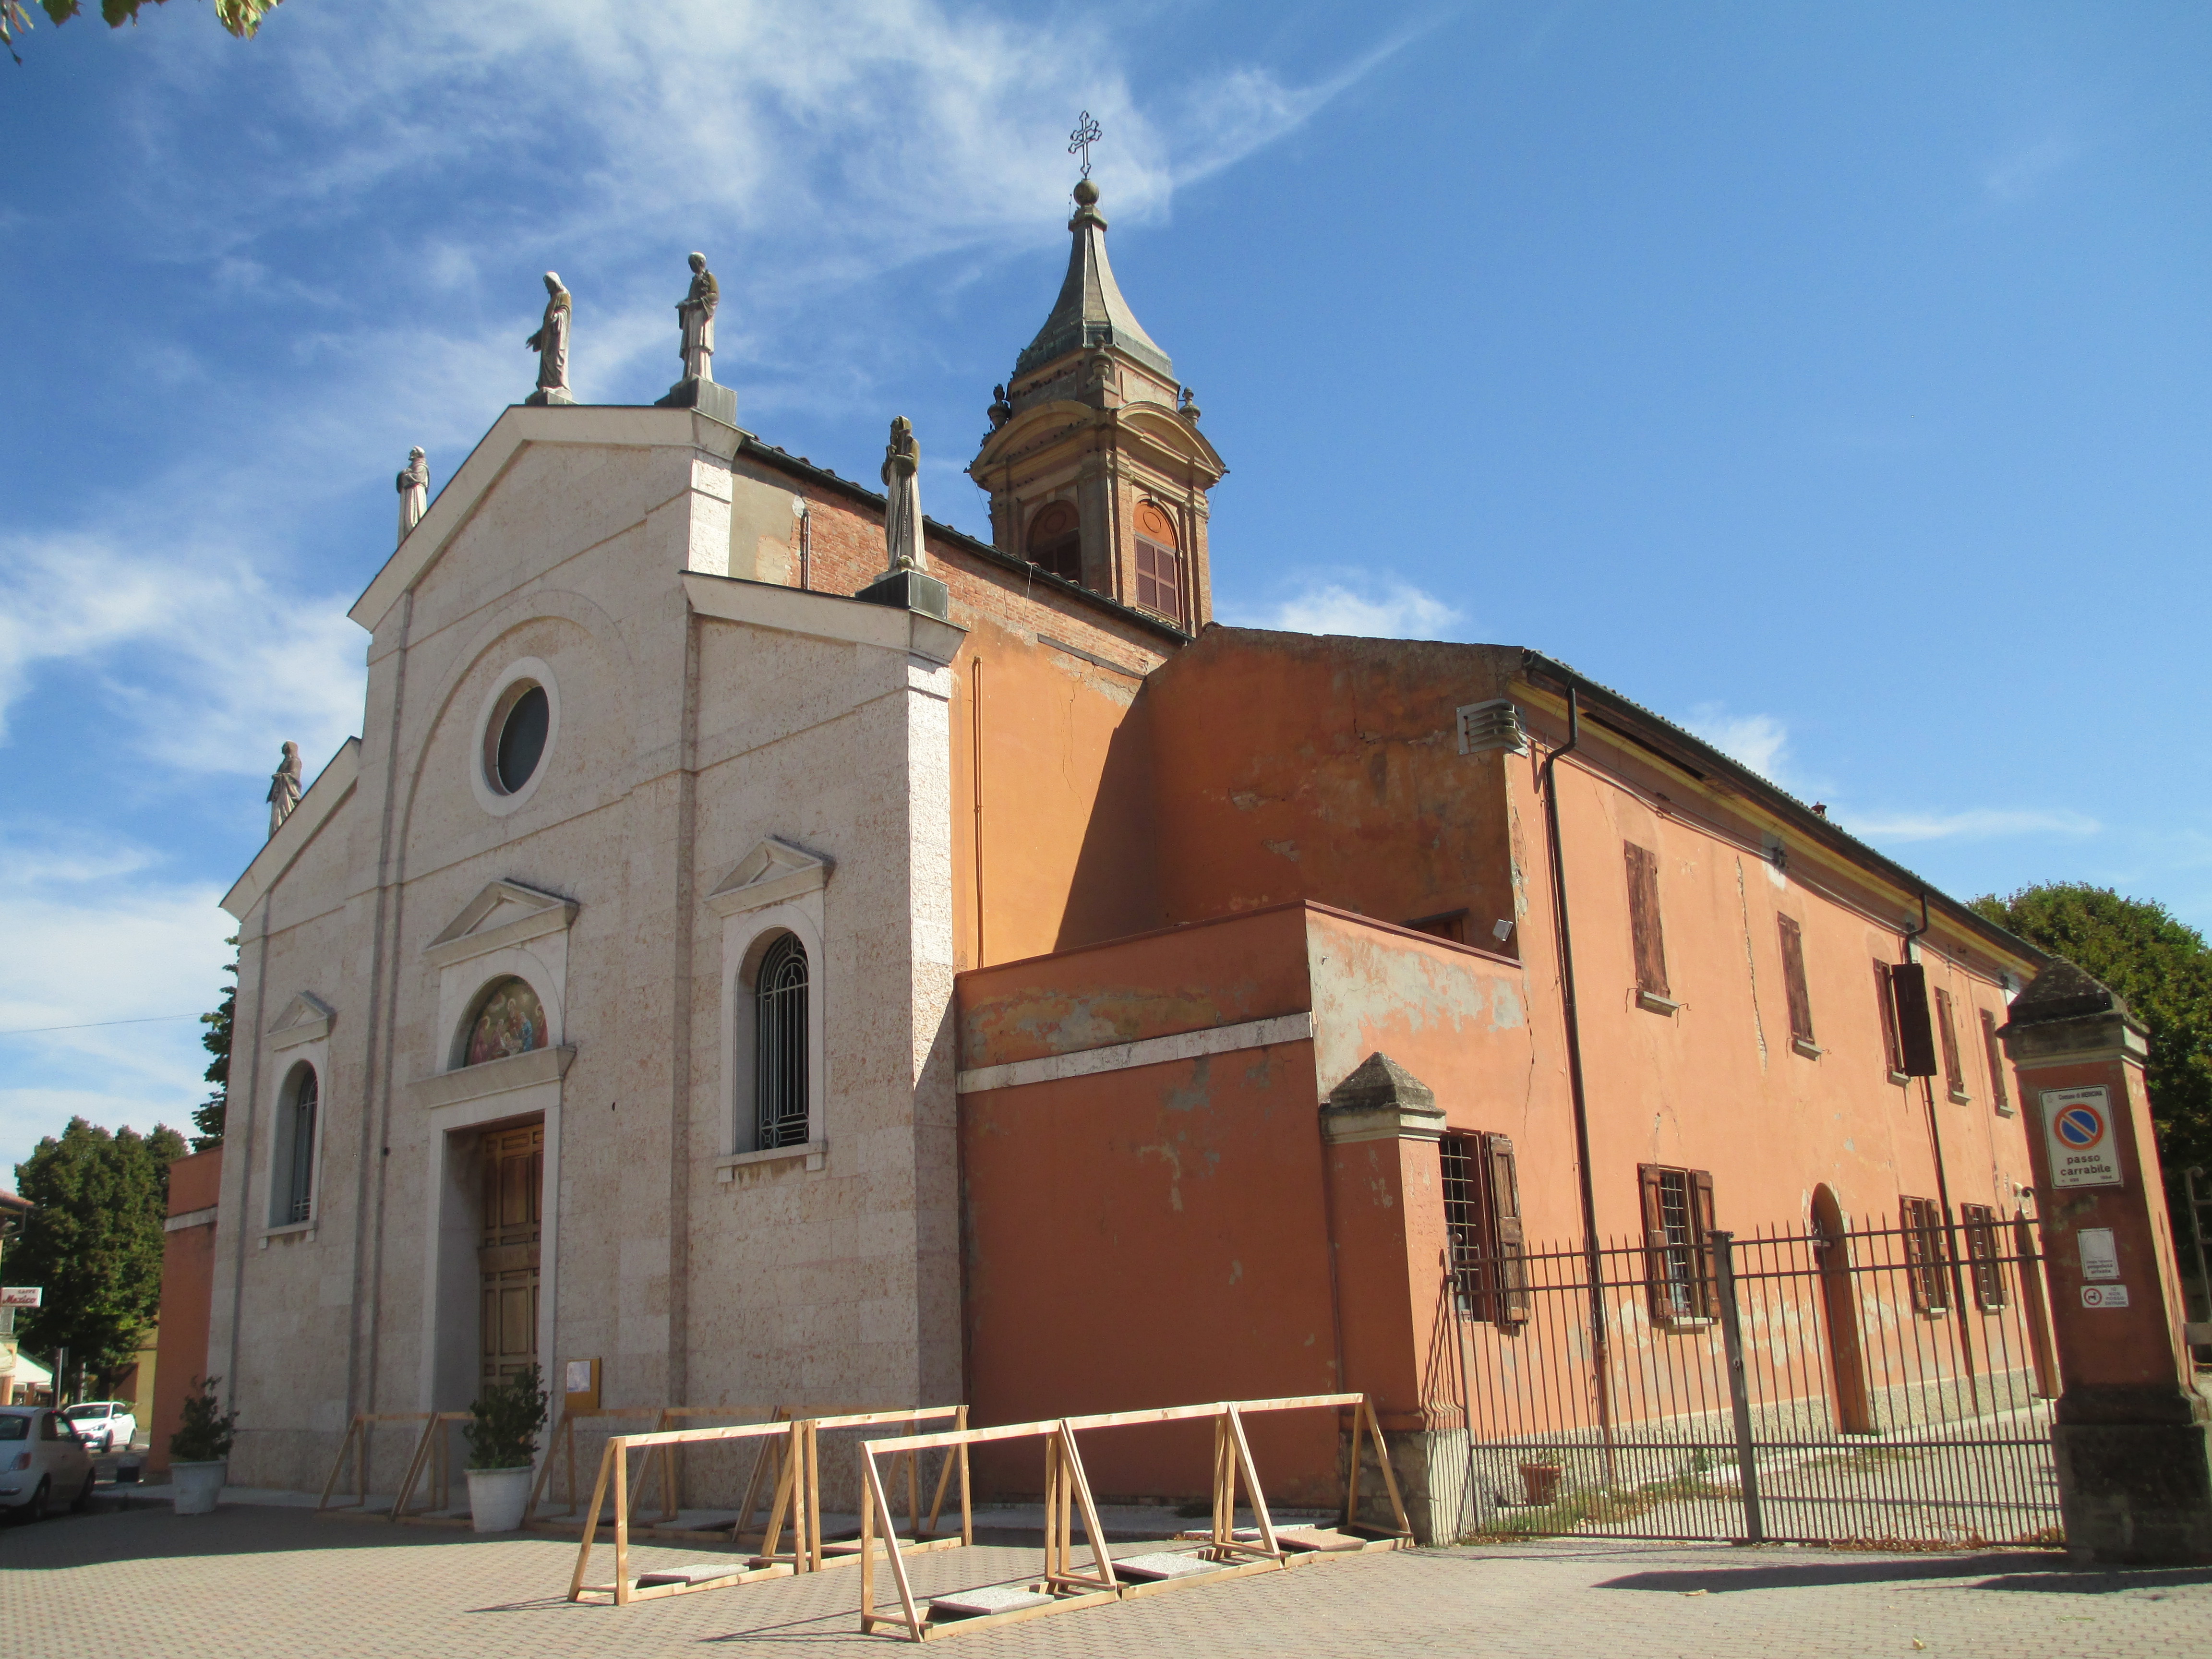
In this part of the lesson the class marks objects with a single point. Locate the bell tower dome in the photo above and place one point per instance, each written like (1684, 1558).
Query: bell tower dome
(1096, 467)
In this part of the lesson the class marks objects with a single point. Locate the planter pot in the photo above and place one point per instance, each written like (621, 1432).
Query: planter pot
(1540, 1482)
(498, 1497)
(197, 1485)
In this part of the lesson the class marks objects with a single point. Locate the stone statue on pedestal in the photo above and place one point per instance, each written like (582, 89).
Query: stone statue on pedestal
(284, 788)
(902, 499)
(550, 343)
(414, 485)
(694, 313)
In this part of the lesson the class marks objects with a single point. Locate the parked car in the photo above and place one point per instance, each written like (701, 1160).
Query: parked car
(42, 1462)
(103, 1424)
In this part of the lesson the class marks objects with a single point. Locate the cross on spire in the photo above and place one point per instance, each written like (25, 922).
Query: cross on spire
(1086, 133)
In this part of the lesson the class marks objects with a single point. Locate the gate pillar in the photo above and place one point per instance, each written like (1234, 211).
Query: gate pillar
(2133, 1435)
(1380, 1131)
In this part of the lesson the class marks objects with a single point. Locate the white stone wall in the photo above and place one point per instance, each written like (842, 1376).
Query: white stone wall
(682, 741)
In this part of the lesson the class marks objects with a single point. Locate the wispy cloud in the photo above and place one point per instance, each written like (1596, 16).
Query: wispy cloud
(1758, 741)
(1980, 823)
(1359, 604)
(2024, 169)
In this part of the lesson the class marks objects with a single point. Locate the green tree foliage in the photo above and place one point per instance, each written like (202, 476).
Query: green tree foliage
(241, 17)
(2163, 970)
(208, 1118)
(93, 1242)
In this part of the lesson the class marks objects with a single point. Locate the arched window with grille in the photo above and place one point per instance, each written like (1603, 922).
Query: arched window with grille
(1055, 541)
(780, 1047)
(298, 1108)
(1159, 569)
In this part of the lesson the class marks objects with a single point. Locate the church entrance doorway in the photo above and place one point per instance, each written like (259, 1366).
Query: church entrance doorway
(512, 1164)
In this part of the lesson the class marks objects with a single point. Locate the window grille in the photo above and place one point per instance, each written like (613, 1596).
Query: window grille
(1482, 1219)
(780, 1047)
(299, 1200)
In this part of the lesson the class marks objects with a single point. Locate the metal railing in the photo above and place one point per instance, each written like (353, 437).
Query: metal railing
(1881, 1386)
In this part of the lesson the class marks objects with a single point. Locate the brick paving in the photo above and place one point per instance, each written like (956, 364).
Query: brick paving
(276, 1581)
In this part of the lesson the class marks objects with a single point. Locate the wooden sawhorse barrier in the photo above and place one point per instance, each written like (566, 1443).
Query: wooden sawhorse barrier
(797, 1502)
(1225, 1552)
(431, 1458)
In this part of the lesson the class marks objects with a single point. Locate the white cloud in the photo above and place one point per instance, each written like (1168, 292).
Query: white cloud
(1385, 610)
(1980, 823)
(95, 938)
(1758, 741)
(2023, 170)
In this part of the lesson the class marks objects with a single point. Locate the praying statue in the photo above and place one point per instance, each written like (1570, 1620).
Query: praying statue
(695, 313)
(284, 788)
(550, 343)
(414, 491)
(902, 498)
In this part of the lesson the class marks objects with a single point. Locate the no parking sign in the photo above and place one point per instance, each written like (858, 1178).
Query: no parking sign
(2078, 1128)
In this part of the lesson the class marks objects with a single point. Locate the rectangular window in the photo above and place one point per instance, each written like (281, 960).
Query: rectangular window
(1979, 1222)
(1482, 1215)
(1678, 1216)
(1158, 580)
(1955, 1071)
(1922, 1231)
(1794, 987)
(2000, 1096)
(1643, 929)
(1450, 924)
(1885, 999)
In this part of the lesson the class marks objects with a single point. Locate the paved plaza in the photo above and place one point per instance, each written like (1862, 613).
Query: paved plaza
(278, 1584)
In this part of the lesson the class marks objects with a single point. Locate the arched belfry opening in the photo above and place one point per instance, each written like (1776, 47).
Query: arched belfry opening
(1095, 465)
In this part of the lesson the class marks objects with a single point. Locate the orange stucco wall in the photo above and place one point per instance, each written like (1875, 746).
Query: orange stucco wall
(187, 1296)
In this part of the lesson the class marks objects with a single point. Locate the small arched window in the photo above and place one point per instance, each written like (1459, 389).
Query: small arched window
(299, 1108)
(509, 1020)
(1055, 543)
(1159, 572)
(780, 1047)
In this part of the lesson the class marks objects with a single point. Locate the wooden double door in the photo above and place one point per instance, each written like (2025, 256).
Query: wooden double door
(513, 1160)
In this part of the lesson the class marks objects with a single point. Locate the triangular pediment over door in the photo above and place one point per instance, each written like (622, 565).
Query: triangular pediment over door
(505, 913)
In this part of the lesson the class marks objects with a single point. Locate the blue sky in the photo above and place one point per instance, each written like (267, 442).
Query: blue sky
(1834, 380)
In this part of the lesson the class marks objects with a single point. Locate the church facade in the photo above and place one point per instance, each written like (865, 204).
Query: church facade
(779, 978)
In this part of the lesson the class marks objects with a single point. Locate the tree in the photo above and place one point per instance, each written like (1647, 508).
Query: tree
(208, 1118)
(2162, 969)
(94, 1240)
(241, 17)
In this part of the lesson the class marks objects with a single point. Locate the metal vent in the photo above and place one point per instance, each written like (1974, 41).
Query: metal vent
(1493, 724)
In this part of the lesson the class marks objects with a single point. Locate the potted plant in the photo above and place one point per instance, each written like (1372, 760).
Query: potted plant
(502, 1436)
(1539, 1482)
(199, 1452)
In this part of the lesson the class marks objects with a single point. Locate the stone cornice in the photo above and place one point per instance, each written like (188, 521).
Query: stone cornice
(493, 1076)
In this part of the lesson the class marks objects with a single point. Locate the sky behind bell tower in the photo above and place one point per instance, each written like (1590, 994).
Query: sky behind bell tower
(1834, 382)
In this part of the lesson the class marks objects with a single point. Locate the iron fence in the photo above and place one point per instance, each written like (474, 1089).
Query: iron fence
(1887, 1386)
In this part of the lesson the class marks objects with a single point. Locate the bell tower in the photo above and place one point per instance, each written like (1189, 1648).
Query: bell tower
(1096, 467)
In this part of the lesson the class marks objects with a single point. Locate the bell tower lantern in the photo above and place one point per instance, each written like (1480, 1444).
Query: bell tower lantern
(1096, 467)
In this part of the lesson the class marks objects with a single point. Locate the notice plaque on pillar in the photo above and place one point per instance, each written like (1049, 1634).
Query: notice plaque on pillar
(2077, 1129)
(2100, 1257)
(2103, 1296)
(580, 1388)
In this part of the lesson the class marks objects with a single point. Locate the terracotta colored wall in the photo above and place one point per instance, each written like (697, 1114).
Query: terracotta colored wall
(187, 1295)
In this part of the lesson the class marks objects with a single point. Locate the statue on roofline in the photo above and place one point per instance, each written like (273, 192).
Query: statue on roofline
(902, 498)
(550, 343)
(414, 485)
(284, 788)
(695, 312)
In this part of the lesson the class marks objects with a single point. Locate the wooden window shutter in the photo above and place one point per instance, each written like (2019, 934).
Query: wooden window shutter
(1655, 1242)
(1504, 1184)
(1793, 980)
(1954, 1073)
(1915, 1042)
(1999, 1097)
(1979, 1222)
(1644, 920)
(1884, 997)
(1923, 1254)
(1702, 1225)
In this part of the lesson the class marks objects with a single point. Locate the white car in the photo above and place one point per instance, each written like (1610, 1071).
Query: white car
(103, 1424)
(42, 1462)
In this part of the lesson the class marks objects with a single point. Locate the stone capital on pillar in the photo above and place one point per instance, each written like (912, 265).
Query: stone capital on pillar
(2133, 1435)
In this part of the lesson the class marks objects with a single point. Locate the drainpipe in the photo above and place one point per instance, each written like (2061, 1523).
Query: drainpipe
(1952, 1239)
(1571, 1015)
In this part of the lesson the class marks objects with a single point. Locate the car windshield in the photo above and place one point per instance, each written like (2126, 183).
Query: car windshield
(14, 1428)
(75, 1411)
